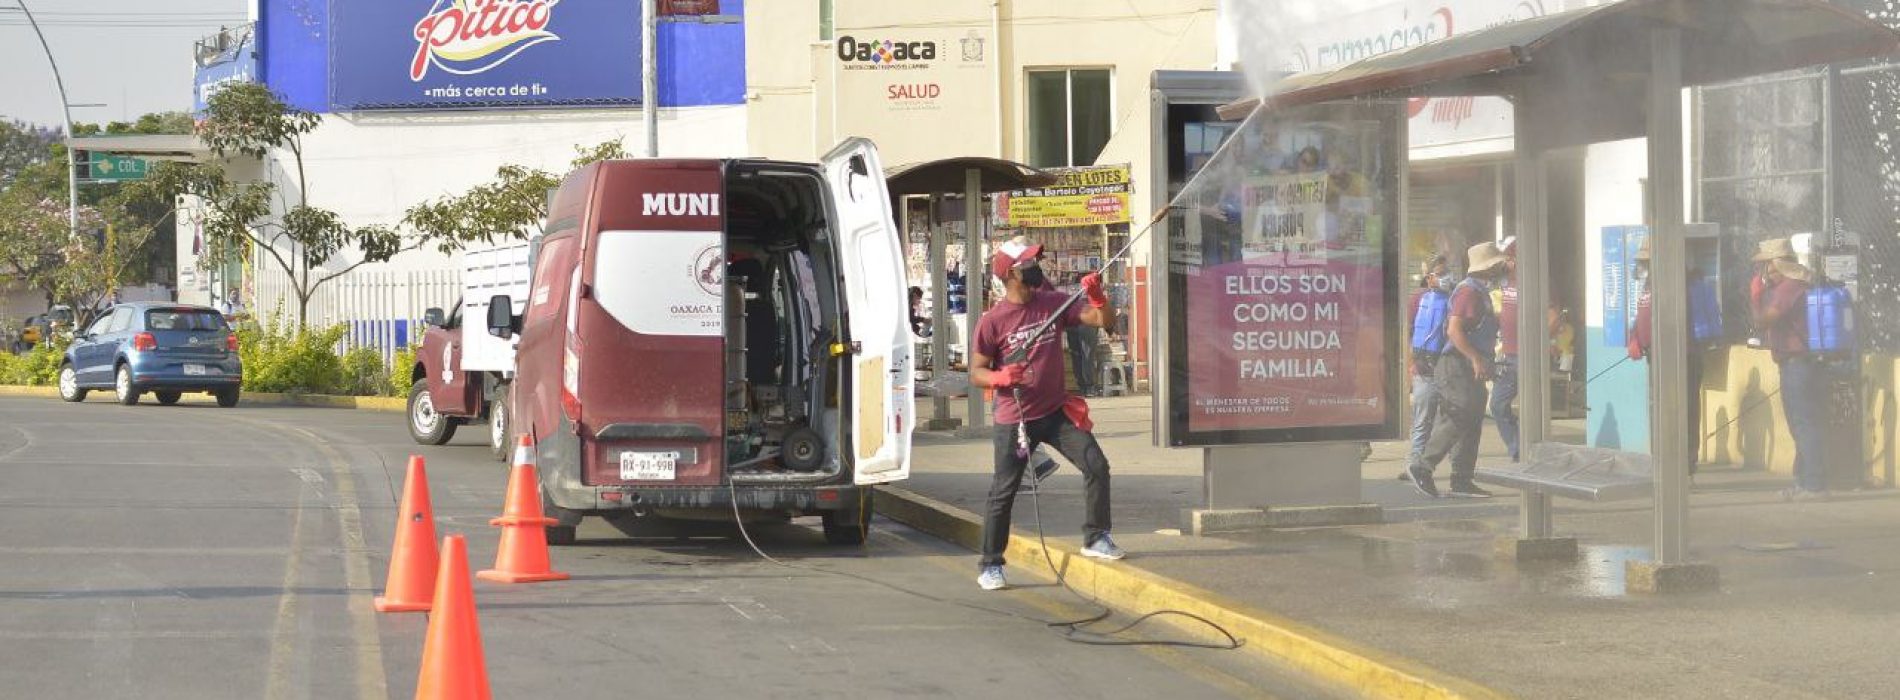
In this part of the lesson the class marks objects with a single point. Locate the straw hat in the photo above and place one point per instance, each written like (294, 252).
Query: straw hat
(1484, 257)
(1774, 249)
(1793, 270)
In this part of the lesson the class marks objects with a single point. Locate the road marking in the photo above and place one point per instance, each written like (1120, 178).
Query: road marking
(370, 679)
(282, 631)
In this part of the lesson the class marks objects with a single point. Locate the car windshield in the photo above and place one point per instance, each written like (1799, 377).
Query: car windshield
(183, 320)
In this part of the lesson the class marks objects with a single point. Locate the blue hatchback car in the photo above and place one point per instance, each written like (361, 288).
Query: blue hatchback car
(166, 349)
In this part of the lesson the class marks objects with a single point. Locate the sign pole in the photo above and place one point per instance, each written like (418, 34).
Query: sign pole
(650, 75)
(65, 106)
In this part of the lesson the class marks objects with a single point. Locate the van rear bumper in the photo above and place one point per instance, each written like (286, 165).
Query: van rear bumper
(790, 499)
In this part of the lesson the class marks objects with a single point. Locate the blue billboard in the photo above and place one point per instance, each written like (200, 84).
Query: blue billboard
(225, 58)
(482, 54)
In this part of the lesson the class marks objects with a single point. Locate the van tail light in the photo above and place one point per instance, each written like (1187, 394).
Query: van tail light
(571, 380)
(230, 343)
(144, 341)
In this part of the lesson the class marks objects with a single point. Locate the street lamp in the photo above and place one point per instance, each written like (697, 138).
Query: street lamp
(66, 109)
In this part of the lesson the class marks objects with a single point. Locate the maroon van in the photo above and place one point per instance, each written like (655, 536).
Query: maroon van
(704, 330)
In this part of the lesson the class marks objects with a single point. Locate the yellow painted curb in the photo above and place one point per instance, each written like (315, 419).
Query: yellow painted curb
(1367, 672)
(360, 403)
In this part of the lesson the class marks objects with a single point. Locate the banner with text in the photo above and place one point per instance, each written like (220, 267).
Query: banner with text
(1283, 277)
(1080, 197)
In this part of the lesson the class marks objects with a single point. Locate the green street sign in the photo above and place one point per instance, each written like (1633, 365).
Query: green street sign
(111, 168)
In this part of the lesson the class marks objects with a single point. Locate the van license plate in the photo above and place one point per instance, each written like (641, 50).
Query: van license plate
(648, 466)
(194, 370)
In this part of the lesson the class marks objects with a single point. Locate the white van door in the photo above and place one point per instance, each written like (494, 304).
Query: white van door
(876, 291)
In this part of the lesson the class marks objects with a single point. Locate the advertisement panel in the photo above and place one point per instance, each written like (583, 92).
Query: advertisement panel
(467, 54)
(227, 57)
(1284, 284)
(1443, 121)
(1080, 197)
(891, 84)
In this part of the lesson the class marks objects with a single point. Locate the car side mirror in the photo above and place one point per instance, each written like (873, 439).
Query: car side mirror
(435, 317)
(501, 316)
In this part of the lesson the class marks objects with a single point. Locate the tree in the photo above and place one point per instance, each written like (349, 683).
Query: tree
(247, 119)
(22, 145)
(37, 248)
(513, 205)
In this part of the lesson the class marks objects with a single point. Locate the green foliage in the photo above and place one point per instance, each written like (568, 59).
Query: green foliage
(364, 373)
(283, 359)
(512, 206)
(40, 367)
(249, 120)
(401, 379)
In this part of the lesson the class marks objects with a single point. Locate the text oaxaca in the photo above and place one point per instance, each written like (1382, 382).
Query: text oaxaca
(885, 51)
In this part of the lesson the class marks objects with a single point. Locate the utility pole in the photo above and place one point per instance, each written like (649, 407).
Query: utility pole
(650, 74)
(66, 109)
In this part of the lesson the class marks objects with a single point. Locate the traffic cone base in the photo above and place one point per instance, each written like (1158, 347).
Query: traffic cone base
(386, 605)
(413, 558)
(509, 577)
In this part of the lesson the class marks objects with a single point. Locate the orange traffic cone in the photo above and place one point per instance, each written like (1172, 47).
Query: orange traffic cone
(452, 665)
(413, 559)
(523, 555)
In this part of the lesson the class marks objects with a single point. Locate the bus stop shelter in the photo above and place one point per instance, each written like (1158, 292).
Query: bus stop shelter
(1593, 75)
(972, 177)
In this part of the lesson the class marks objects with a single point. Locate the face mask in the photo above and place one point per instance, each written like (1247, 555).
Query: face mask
(1445, 283)
(1033, 277)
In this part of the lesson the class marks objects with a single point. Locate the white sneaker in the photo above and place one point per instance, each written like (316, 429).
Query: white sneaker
(1104, 548)
(992, 579)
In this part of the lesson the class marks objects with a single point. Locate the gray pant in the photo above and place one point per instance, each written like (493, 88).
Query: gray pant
(1424, 411)
(1460, 420)
(1074, 443)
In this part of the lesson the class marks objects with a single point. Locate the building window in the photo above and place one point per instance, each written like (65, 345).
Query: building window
(1070, 115)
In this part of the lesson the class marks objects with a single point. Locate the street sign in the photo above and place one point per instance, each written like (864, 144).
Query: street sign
(114, 168)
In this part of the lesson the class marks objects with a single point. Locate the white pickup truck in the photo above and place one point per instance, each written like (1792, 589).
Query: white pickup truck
(462, 373)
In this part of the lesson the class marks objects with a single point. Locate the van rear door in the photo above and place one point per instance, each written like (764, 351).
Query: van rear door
(875, 297)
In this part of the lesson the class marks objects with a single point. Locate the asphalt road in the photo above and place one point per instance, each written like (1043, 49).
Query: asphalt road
(197, 552)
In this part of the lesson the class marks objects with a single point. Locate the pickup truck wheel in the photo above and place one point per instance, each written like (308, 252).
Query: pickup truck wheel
(498, 426)
(425, 425)
(849, 526)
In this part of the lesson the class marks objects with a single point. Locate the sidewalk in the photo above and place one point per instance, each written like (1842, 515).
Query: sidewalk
(1807, 606)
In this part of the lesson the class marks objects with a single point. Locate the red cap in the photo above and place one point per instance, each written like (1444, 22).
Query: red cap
(1012, 254)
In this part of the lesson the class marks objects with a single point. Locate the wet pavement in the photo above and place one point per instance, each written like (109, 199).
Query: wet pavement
(1806, 608)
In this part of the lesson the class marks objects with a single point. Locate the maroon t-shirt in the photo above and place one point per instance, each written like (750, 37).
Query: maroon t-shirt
(1789, 336)
(1006, 327)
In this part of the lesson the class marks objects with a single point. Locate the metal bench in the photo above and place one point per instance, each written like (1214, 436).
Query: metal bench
(1581, 473)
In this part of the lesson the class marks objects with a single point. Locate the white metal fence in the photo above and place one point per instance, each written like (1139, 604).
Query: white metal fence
(382, 310)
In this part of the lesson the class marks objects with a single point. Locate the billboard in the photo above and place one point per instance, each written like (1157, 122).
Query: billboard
(224, 58)
(480, 54)
(1080, 197)
(1283, 282)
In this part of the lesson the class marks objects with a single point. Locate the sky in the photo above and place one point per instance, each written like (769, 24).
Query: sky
(132, 55)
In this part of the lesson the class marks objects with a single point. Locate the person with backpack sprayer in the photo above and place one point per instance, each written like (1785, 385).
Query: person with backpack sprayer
(1428, 309)
(1472, 327)
(1780, 297)
(1032, 406)
(1705, 328)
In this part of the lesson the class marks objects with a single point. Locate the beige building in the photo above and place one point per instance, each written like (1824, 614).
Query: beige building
(1045, 82)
